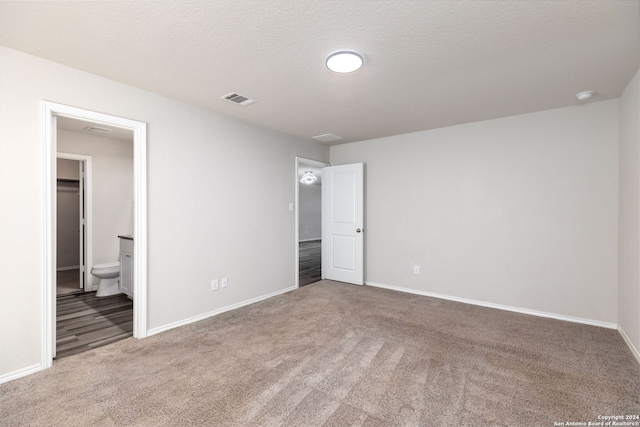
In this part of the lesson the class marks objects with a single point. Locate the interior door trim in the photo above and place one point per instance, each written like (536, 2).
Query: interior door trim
(49, 111)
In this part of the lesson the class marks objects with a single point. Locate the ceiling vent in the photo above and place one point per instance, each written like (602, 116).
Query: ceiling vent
(97, 129)
(236, 98)
(327, 137)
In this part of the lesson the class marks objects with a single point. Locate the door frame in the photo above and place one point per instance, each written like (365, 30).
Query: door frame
(49, 112)
(318, 163)
(87, 242)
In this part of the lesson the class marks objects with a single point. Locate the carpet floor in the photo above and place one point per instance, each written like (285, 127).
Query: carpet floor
(332, 354)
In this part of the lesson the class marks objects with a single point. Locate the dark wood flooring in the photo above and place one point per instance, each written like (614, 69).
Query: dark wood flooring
(310, 262)
(84, 321)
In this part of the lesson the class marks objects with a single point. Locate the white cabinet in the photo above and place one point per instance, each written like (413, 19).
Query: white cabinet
(126, 267)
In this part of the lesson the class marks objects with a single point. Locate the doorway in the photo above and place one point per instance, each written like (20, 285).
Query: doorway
(308, 220)
(51, 112)
(84, 320)
(70, 224)
(73, 171)
(341, 223)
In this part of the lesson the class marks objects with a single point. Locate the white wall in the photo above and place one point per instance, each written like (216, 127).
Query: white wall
(201, 200)
(629, 217)
(112, 185)
(519, 211)
(68, 169)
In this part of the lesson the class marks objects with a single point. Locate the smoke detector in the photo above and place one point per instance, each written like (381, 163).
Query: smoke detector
(236, 98)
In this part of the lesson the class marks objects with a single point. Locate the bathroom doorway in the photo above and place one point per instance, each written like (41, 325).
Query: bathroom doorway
(102, 157)
(134, 216)
(308, 220)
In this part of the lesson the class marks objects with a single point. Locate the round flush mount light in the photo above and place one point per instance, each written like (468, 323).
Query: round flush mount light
(583, 96)
(345, 61)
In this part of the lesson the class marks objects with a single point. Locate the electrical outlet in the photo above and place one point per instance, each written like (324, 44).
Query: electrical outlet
(214, 285)
(224, 282)
(416, 269)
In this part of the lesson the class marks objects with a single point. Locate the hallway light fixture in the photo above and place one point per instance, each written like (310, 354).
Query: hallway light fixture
(583, 96)
(308, 178)
(345, 61)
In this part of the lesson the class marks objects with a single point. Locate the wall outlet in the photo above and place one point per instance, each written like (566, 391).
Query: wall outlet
(416, 269)
(224, 282)
(214, 285)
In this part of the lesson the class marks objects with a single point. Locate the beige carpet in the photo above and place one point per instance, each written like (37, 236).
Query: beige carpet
(339, 355)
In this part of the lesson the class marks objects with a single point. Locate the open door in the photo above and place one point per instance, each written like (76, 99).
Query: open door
(342, 223)
(82, 225)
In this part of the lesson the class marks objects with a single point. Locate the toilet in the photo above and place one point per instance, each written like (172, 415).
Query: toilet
(108, 273)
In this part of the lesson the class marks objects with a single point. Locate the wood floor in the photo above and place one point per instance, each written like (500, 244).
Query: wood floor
(85, 321)
(310, 262)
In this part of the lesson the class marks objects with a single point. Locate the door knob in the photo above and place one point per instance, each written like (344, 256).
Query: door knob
(358, 230)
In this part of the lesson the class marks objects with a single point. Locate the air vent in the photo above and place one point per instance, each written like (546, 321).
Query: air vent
(236, 98)
(327, 137)
(97, 129)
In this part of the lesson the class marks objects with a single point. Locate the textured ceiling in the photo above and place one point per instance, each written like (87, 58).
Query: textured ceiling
(428, 64)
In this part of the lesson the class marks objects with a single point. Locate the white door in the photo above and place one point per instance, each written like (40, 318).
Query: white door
(342, 223)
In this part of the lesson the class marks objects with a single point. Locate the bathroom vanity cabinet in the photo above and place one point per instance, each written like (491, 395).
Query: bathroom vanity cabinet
(126, 265)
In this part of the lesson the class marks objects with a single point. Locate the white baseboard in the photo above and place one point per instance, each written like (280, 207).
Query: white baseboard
(627, 340)
(73, 267)
(497, 306)
(20, 373)
(155, 331)
(309, 240)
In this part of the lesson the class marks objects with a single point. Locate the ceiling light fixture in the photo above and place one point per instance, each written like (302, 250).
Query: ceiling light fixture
(345, 61)
(308, 178)
(583, 96)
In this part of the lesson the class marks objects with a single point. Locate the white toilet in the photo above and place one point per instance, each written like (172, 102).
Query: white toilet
(108, 273)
